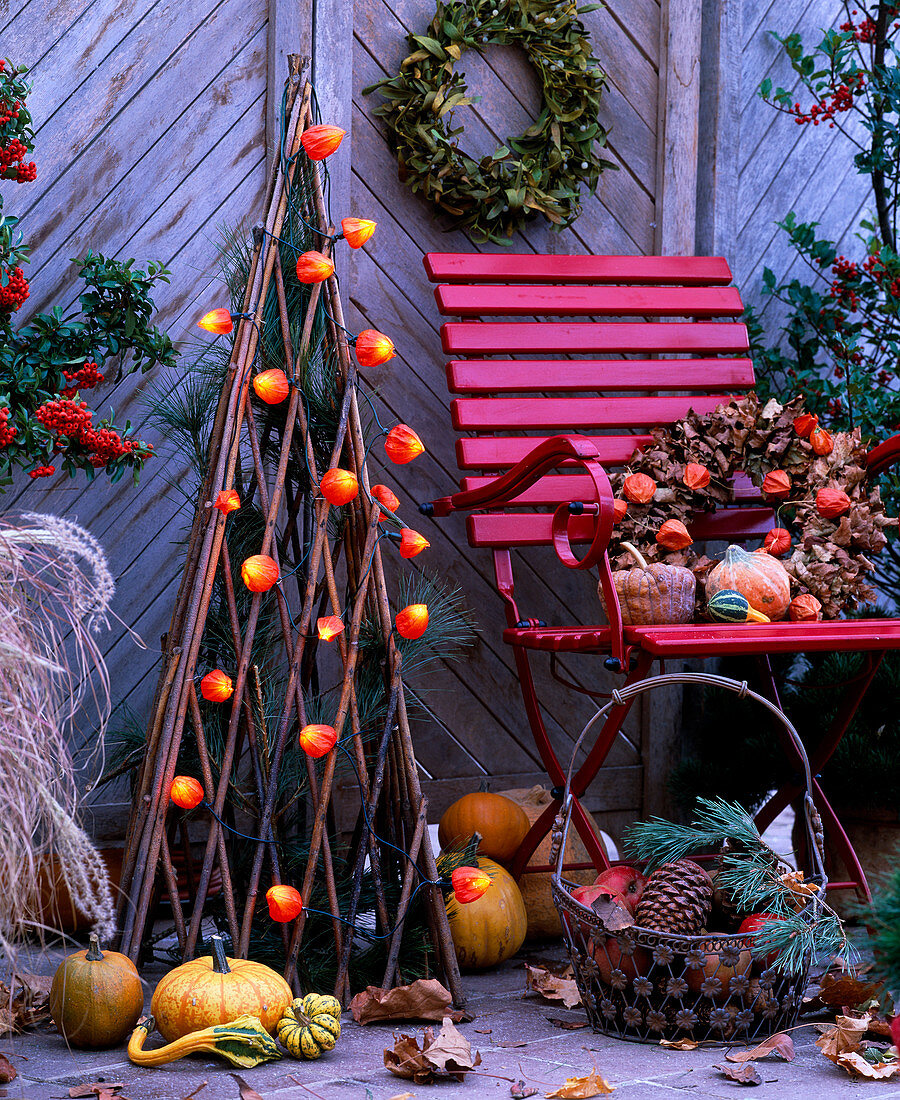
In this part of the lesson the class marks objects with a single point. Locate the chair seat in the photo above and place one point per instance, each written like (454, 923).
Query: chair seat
(714, 639)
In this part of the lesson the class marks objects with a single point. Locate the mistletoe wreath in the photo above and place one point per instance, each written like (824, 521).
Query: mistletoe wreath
(539, 171)
(830, 521)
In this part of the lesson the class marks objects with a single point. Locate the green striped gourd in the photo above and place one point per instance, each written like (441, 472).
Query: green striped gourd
(729, 606)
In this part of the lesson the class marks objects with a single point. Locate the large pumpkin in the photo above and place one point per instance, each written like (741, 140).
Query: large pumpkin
(491, 929)
(96, 997)
(215, 990)
(500, 822)
(761, 579)
(543, 919)
(653, 594)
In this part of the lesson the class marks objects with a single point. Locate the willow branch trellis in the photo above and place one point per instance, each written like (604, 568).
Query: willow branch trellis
(388, 778)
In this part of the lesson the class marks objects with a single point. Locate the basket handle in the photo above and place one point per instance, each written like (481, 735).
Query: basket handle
(625, 694)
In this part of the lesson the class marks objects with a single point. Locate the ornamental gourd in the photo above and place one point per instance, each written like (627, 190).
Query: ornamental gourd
(214, 990)
(501, 823)
(488, 931)
(652, 594)
(244, 1042)
(311, 1025)
(96, 997)
(761, 579)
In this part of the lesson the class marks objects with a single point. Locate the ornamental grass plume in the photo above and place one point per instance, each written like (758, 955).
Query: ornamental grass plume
(56, 591)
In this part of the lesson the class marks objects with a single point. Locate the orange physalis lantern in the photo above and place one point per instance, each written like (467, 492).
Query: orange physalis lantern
(357, 231)
(832, 503)
(805, 609)
(339, 486)
(696, 475)
(216, 686)
(284, 902)
(412, 543)
(228, 501)
(805, 423)
(186, 792)
(777, 542)
(776, 483)
(313, 267)
(403, 445)
(328, 627)
(259, 572)
(638, 488)
(321, 141)
(217, 320)
(469, 883)
(620, 510)
(673, 535)
(317, 740)
(412, 621)
(373, 348)
(271, 386)
(386, 499)
(821, 441)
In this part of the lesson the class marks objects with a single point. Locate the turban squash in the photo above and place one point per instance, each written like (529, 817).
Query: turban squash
(761, 579)
(653, 594)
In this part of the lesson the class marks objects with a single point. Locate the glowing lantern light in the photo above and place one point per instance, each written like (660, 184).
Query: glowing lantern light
(403, 445)
(271, 386)
(373, 348)
(469, 884)
(186, 792)
(313, 267)
(259, 572)
(216, 686)
(284, 902)
(412, 621)
(357, 231)
(386, 499)
(321, 141)
(317, 740)
(412, 543)
(339, 486)
(329, 626)
(217, 320)
(228, 501)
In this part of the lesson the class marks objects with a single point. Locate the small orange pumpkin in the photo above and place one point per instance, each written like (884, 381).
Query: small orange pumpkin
(96, 997)
(761, 579)
(500, 822)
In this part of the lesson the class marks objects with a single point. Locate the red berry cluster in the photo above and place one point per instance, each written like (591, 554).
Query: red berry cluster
(13, 154)
(862, 32)
(65, 417)
(15, 292)
(841, 101)
(845, 271)
(84, 379)
(42, 471)
(7, 430)
(73, 419)
(106, 445)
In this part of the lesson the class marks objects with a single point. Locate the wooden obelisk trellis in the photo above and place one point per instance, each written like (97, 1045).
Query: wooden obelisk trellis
(390, 768)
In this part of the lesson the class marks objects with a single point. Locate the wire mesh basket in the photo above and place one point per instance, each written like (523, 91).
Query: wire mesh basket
(644, 985)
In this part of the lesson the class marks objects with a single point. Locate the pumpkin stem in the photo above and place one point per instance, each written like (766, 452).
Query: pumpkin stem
(220, 963)
(635, 553)
(94, 954)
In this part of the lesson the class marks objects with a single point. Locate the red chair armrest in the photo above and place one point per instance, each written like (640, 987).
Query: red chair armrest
(883, 456)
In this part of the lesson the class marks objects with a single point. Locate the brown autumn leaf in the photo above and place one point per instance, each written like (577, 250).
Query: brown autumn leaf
(451, 1051)
(8, 1071)
(447, 1054)
(846, 992)
(405, 1059)
(612, 913)
(96, 1088)
(780, 1044)
(580, 1087)
(551, 986)
(519, 1090)
(845, 1037)
(679, 1044)
(567, 1025)
(425, 999)
(858, 1066)
(743, 1075)
(247, 1091)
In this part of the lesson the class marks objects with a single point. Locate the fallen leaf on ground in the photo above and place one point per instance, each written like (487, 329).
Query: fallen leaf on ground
(679, 1044)
(38, 985)
(844, 1037)
(780, 1044)
(28, 1008)
(552, 987)
(482, 1030)
(200, 1087)
(744, 1075)
(580, 1087)
(845, 992)
(96, 1088)
(512, 1043)
(520, 1090)
(451, 1050)
(612, 914)
(247, 1091)
(858, 1066)
(425, 999)
(448, 1054)
(880, 1025)
(405, 1059)
(8, 1071)
(567, 1025)
(402, 1096)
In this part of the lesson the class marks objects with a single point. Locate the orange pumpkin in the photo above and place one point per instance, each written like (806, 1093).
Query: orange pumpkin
(500, 822)
(96, 997)
(215, 990)
(761, 579)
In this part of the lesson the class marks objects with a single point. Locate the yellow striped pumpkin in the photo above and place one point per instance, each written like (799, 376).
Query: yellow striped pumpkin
(311, 1025)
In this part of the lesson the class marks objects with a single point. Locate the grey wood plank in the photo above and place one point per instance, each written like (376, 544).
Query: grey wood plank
(289, 27)
(640, 21)
(34, 27)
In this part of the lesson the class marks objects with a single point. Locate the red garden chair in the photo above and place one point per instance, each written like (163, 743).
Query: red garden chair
(555, 476)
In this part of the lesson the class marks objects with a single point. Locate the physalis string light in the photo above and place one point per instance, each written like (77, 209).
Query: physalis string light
(339, 486)
(217, 320)
(412, 621)
(186, 792)
(386, 499)
(412, 543)
(216, 686)
(356, 231)
(271, 386)
(259, 572)
(403, 445)
(328, 627)
(317, 740)
(228, 501)
(321, 141)
(469, 884)
(373, 348)
(285, 903)
(313, 267)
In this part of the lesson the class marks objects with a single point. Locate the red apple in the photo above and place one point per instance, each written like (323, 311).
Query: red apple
(751, 925)
(588, 894)
(609, 956)
(625, 883)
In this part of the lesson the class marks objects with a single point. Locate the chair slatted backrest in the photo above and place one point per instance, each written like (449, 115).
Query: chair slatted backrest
(529, 360)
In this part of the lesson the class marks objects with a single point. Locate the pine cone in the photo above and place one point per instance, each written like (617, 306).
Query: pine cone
(677, 899)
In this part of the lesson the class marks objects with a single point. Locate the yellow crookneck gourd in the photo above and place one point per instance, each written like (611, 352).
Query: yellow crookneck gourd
(244, 1043)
